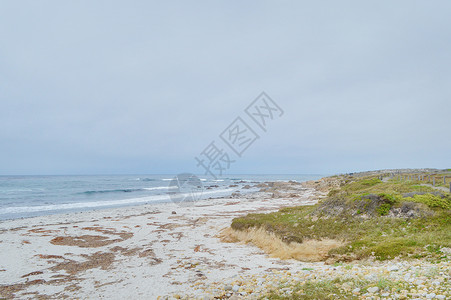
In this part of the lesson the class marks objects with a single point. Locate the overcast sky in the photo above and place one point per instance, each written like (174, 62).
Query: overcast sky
(111, 87)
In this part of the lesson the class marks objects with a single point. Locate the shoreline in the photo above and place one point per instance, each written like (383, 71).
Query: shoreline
(140, 251)
(26, 197)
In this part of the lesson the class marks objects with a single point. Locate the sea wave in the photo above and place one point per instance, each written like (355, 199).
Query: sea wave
(97, 204)
(147, 179)
(126, 190)
(112, 191)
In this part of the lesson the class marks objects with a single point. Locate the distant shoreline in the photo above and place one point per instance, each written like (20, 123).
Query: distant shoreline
(47, 195)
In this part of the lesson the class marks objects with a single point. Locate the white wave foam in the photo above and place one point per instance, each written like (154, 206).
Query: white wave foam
(96, 204)
(12, 191)
(78, 205)
(160, 188)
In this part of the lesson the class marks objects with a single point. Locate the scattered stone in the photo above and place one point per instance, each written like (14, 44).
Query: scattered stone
(417, 279)
(393, 268)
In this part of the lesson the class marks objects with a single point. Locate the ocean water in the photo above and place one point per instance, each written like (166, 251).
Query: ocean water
(29, 196)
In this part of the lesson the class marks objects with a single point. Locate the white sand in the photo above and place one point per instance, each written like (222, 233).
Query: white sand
(167, 252)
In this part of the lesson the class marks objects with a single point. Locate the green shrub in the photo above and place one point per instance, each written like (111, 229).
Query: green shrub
(370, 181)
(390, 198)
(431, 200)
(383, 209)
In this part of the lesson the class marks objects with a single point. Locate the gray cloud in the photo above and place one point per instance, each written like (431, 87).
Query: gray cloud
(109, 87)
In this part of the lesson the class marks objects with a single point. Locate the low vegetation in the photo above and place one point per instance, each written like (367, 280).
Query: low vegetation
(338, 288)
(325, 289)
(365, 217)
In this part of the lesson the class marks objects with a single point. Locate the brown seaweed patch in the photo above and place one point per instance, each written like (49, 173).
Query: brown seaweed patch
(125, 235)
(148, 253)
(32, 274)
(125, 251)
(50, 256)
(176, 235)
(100, 229)
(9, 291)
(98, 284)
(142, 214)
(232, 203)
(100, 260)
(15, 229)
(84, 241)
(42, 231)
(111, 231)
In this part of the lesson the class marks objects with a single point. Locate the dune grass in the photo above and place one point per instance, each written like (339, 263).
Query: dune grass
(368, 216)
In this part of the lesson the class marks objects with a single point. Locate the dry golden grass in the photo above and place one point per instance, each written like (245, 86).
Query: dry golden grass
(308, 250)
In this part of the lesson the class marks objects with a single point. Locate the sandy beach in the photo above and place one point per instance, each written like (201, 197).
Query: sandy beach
(166, 251)
(140, 252)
